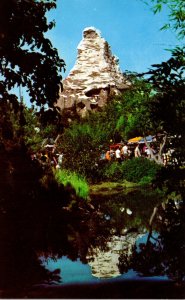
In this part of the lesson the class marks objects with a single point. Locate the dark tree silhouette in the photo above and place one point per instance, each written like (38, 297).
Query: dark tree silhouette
(28, 58)
(164, 254)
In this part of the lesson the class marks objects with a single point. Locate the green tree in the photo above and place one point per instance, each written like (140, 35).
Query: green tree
(176, 14)
(28, 58)
(133, 106)
(168, 105)
(80, 148)
(167, 79)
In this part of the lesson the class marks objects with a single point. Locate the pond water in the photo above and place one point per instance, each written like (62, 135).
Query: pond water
(105, 242)
(78, 272)
(119, 222)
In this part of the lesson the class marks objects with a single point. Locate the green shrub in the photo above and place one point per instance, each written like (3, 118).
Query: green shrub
(79, 151)
(138, 170)
(79, 184)
(113, 171)
(145, 180)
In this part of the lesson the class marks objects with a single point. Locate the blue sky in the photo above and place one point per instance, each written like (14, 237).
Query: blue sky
(129, 26)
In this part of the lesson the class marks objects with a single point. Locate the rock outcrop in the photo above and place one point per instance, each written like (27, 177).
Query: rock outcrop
(95, 75)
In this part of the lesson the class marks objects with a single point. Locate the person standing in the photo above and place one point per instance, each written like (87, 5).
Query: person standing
(107, 155)
(60, 157)
(118, 154)
(137, 152)
(124, 151)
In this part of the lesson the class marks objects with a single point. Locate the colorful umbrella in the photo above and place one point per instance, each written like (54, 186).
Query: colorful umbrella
(149, 139)
(136, 139)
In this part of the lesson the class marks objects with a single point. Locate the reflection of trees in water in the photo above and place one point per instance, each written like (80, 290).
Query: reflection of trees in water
(55, 232)
(166, 254)
(139, 201)
(81, 231)
(33, 220)
(71, 234)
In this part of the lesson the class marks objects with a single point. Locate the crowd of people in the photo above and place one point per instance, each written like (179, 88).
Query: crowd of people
(123, 151)
(52, 155)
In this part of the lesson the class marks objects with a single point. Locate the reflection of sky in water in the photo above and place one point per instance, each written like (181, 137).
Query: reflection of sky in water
(71, 271)
(143, 239)
(77, 272)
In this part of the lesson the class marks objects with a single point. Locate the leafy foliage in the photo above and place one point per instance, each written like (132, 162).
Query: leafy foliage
(134, 108)
(138, 168)
(168, 105)
(133, 170)
(27, 56)
(40, 128)
(80, 147)
(168, 81)
(176, 14)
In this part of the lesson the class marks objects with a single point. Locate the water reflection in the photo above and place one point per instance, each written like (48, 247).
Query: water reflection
(88, 243)
(162, 254)
(104, 264)
(111, 228)
(103, 267)
(71, 271)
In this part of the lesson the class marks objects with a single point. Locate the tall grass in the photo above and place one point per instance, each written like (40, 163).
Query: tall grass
(80, 185)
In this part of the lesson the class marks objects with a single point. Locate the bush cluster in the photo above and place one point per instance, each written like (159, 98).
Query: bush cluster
(138, 170)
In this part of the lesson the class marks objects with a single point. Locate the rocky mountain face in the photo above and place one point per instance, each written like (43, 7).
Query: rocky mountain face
(95, 76)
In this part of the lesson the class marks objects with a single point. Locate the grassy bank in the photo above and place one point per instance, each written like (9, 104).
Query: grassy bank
(79, 184)
(112, 187)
